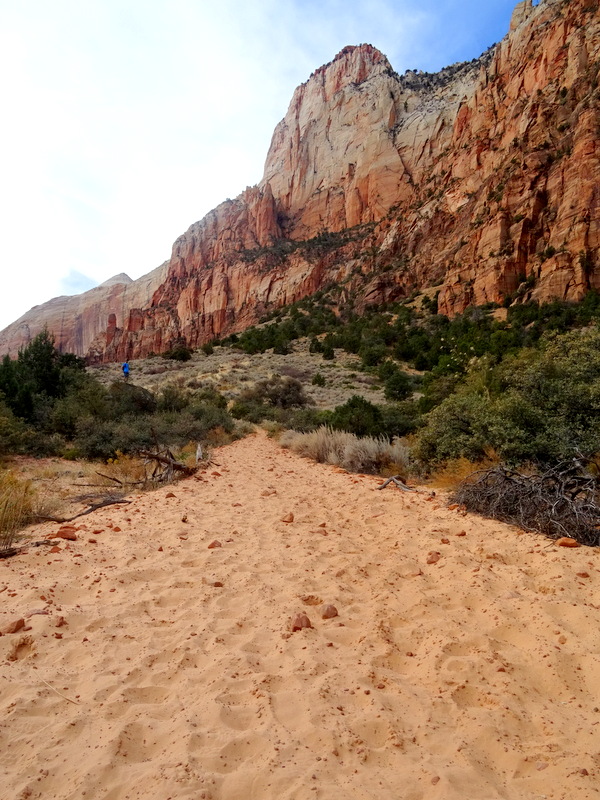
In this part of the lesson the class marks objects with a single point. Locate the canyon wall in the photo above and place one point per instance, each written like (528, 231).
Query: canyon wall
(481, 180)
(75, 321)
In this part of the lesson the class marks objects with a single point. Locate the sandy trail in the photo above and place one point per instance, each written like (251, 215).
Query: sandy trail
(176, 676)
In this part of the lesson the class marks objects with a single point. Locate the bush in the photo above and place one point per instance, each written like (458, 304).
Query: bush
(358, 416)
(368, 454)
(397, 386)
(179, 353)
(282, 392)
(318, 380)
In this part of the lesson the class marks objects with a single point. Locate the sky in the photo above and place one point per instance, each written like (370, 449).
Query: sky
(125, 121)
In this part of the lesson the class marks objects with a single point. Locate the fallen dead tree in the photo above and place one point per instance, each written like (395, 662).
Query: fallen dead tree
(166, 465)
(561, 501)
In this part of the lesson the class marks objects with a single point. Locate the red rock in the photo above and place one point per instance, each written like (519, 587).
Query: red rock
(216, 474)
(299, 622)
(461, 533)
(160, 549)
(13, 627)
(57, 635)
(170, 494)
(566, 541)
(288, 518)
(583, 574)
(55, 549)
(69, 535)
(215, 543)
(433, 557)
(217, 584)
(60, 622)
(93, 541)
(116, 529)
(329, 612)
(453, 507)
(445, 541)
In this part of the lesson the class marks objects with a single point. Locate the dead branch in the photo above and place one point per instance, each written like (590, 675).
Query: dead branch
(94, 507)
(561, 501)
(397, 481)
(108, 477)
(169, 461)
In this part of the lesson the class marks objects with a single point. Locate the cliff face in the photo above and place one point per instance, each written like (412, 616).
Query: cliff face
(481, 179)
(76, 321)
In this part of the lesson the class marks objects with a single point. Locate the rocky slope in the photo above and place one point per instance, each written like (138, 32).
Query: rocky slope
(77, 320)
(481, 180)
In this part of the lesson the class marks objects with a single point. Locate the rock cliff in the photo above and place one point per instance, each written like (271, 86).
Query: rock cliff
(77, 320)
(481, 180)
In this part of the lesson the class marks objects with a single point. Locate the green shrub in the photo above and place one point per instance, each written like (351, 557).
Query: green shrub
(280, 391)
(357, 416)
(179, 353)
(318, 380)
(397, 386)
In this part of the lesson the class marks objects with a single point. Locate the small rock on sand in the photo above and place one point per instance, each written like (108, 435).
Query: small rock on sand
(214, 544)
(300, 621)
(566, 541)
(13, 627)
(329, 612)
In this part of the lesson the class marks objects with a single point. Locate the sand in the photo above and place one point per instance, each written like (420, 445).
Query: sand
(176, 674)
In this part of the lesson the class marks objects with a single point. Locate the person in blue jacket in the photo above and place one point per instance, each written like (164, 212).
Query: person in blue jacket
(126, 370)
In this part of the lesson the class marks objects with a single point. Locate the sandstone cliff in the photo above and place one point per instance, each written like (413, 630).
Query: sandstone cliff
(76, 320)
(481, 180)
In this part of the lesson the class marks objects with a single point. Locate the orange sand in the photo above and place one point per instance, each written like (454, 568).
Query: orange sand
(476, 677)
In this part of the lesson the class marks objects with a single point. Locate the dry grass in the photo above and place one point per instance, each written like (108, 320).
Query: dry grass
(16, 507)
(454, 472)
(366, 455)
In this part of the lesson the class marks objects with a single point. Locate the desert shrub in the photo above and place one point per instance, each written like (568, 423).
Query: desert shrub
(357, 416)
(14, 433)
(399, 419)
(541, 405)
(128, 399)
(280, 391)
(452, 430)
(372, 353)
(366, 454)
(207, 348)
(210, 396)
(251, 411)
(299, 419)
(172, 398)
(318, 380)
(397, 386)
(178, 353)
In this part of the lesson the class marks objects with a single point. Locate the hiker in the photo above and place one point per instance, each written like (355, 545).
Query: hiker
(126, 370)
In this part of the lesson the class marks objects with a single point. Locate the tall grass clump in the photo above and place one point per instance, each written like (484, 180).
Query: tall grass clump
(366, 454)
(16, 507)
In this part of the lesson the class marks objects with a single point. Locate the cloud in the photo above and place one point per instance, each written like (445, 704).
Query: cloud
(75, 283)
